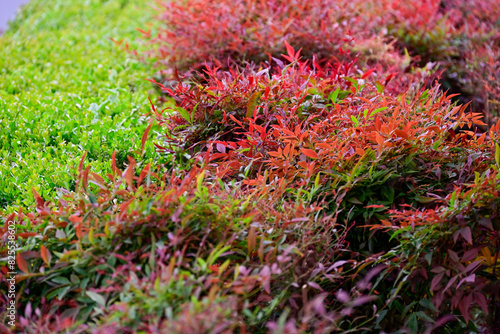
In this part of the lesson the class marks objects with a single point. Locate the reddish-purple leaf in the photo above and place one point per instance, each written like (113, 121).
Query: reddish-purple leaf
(481, 301)
(436, 281)
(467, 234)
(363, 300)
(221, 148)
(315, 286)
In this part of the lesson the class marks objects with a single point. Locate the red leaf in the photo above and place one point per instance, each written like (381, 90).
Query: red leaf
(473, 265)
(143, 174)
(145, 137)
(39, 200)
(113, 165)
(378, 123)
(367, 73)
(98, 180)
(464, 307)
(290, 50)
(266, 93)
(80, 166)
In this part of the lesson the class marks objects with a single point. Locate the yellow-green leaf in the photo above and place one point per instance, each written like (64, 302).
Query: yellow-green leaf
(252, 103)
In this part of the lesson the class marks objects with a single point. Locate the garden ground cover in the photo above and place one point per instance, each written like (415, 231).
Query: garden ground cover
(66, 88)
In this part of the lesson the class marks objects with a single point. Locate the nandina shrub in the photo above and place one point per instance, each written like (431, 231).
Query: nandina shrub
(483, 75)
(455, 247)
(148, 251)
(223, 32)
(212, 110)
(347, 141)
(449, 34)
(454, 36)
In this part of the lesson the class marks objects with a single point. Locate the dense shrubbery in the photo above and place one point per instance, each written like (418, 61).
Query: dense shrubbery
(460, 36)
(314, 194)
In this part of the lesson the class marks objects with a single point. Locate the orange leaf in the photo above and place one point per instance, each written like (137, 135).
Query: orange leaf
(386, 223)
(46, 256)
(379, 139)
(481, 139)
(274, 154)
(360, 151)
(310, 153)
(21, 264)
(375, 206)
(378, 124)
(78, 228)
(302, 164)
(145, 137)
(129, 172)
(402, 134)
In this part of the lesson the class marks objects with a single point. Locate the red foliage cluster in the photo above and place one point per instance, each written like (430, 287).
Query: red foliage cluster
(347, 140)
(222, 32)
(447, 33)
(173, 238)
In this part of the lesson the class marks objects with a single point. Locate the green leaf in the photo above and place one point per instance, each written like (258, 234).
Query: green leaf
(61, 280)
(96, 297)
(380, 87)
(193, 112)
(398, 232)
(378, 110)
(354, 82)
(252, 103)
(333, 95)
(412, 323)
(428, 257)
(184, 113)
(497, 154)
(380, 316)
(427, 304)
(152, 262)
(355, 120)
